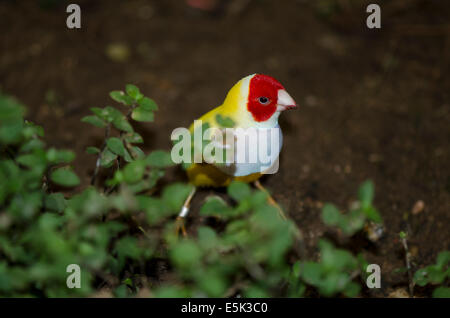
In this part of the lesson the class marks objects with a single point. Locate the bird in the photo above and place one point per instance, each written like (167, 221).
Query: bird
(254, 102)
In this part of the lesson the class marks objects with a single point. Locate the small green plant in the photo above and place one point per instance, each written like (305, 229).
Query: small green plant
(34, 252)
(436, 274)
(335, 273)
(42, 231)
(122, 147)
(358, 216)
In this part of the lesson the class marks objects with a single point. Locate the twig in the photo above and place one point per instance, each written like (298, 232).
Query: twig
(408, 264)
(99, 157)
(125, 144)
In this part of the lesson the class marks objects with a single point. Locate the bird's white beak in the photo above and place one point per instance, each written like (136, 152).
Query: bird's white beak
(285, 101)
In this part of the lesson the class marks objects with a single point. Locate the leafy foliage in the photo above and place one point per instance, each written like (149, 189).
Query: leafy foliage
(436, 274)
(356, 218)
(334, 273)
(117, 228)
(248, 256)
(42, 232)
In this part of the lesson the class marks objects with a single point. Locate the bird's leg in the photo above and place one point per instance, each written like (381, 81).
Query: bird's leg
(270, 199)
(180, 221)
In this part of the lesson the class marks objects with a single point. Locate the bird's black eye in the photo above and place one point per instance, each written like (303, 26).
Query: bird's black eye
(263, 100)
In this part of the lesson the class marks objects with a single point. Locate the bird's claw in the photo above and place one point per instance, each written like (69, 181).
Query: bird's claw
(180, 226)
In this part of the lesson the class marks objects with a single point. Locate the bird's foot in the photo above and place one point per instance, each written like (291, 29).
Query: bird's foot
(180, 226)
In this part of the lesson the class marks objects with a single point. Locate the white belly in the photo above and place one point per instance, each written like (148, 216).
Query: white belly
(256, 151)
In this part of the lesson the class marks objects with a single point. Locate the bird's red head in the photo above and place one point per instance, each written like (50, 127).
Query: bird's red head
(266, 96)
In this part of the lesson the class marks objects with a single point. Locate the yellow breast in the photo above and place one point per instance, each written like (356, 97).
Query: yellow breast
(206, 175)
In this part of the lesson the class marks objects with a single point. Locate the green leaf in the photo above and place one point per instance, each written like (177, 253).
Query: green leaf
(55, 202)
(10, 132)
(311, 273)
(143, 115)
(171, 292)
(436, 275)
(134, 138)
(175, 194)
(137, 152)
(366, 193)
(331, 283)
(94, 120)
(186, 254)
(330, 214)
(212, 282)
(120, 97)
(107, 157)
(159, 159)
(443, 259)
(225, 122)
(100, 112)
(60, 156)
(108, 114)
(256, 292)
(31, 145)
(258, 199)
(214, 206)
(92, 150)
(127, 247)
(32, 160)
(296, 269)
(441, 292)
(134, 171)
(65, 177)
(336, 259)
(148, 104)
(121, 123)
(10, 108)
(128, 281)
(239, 190)
(32, 130)
(127, 156)
(133, 92)
(420, 277)
(116, 146)
(121, 291)
(114, 116)
(207, 237)
(154, 208)
(372, 214)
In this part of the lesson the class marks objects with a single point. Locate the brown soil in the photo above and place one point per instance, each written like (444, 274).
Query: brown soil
(374, 103)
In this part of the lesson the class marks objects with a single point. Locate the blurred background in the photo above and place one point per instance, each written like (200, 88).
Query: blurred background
(374, 103)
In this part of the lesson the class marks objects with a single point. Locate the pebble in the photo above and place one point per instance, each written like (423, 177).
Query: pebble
(414, 251)
(399, 293)
(418, 207)
(118, 52)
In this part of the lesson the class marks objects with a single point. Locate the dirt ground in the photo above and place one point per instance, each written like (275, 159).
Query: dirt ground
(373, 103)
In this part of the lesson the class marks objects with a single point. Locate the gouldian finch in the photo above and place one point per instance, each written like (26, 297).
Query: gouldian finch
(256, 101)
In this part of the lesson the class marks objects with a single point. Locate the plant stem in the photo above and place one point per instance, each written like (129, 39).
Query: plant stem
(118, 160)
(99, 157)
(408, 266)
